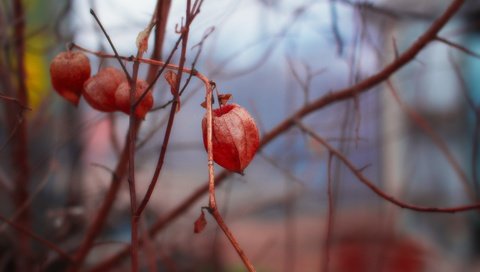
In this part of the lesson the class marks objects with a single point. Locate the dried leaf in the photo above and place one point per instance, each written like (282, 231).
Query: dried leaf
(224, 98)
(142, 40)
(200, 223)
(171, 78)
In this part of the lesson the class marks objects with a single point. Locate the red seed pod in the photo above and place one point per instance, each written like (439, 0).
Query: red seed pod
(235, 137)
(68, 71)
(200, 223)
(99, 90)
(122, 98)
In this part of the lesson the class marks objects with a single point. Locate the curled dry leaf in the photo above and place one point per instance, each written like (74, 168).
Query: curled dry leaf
(99, 90)
(142, 40)
(224, 98)
(235, 137)
(122, 98)
(68, 72)
(200, 223)
(171, 78)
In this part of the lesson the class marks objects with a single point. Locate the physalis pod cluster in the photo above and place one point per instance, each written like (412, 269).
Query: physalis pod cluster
(107, 91)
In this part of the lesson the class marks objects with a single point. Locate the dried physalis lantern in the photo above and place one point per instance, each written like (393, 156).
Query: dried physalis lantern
(235, 137)
(122, 98)
(100, 89)
(68, 72)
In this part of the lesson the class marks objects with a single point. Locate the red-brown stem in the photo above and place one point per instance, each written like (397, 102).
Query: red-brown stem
(148, 246)
(97, 224)
(318, 104)
(40, 239)
(126, 162)
(116, 55)
(358, 173)
(329, 228)
(212, 203)
(160, 161)
(14, 100)
(436, 139)
(20, 143)
(104, 55)
(161, 223)
(190, 15)
(476, 128)
(216, 215)
(20, 50)
(161, 158)
(161, 15)
(131, 168)
(171, 117)
(458, 47)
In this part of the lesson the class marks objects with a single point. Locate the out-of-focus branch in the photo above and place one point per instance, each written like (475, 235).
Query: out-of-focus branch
(20, 142)
(40, 239)
(458, 47)
(330, 216)
(436, 139)
(375, 189)
(324, 101)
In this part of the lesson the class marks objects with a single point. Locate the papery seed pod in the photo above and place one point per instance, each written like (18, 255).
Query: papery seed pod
(122, 98)
(200, 223)
(68, 71)
(235, 137)
(99, 90)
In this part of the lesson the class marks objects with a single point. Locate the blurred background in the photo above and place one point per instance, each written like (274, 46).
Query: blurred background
(417, 138)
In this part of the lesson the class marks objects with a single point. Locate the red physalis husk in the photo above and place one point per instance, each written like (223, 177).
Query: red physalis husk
(99, 90)
(200, 223)
(235, 137)
(68, 72)
(122, 98)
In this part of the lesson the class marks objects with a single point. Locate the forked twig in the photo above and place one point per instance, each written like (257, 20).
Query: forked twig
(377, 190)
(436, 139)
(320, 103)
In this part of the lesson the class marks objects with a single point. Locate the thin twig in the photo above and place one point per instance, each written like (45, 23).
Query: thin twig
(38, 188)
(16, 101)
(458, 47)
(20, 144)
(40, 239)
(132, 135)
(212, 204)
(330, 222)
(101, 216)
(180, 68)
(335, 29)
(476, 129)
(377, 190)
(436, 139)
(117, 56)
(320, 103)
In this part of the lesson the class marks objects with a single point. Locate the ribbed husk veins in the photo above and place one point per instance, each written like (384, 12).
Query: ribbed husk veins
(122, 98)
(68, 72)
(235, 137)
(100, 89)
